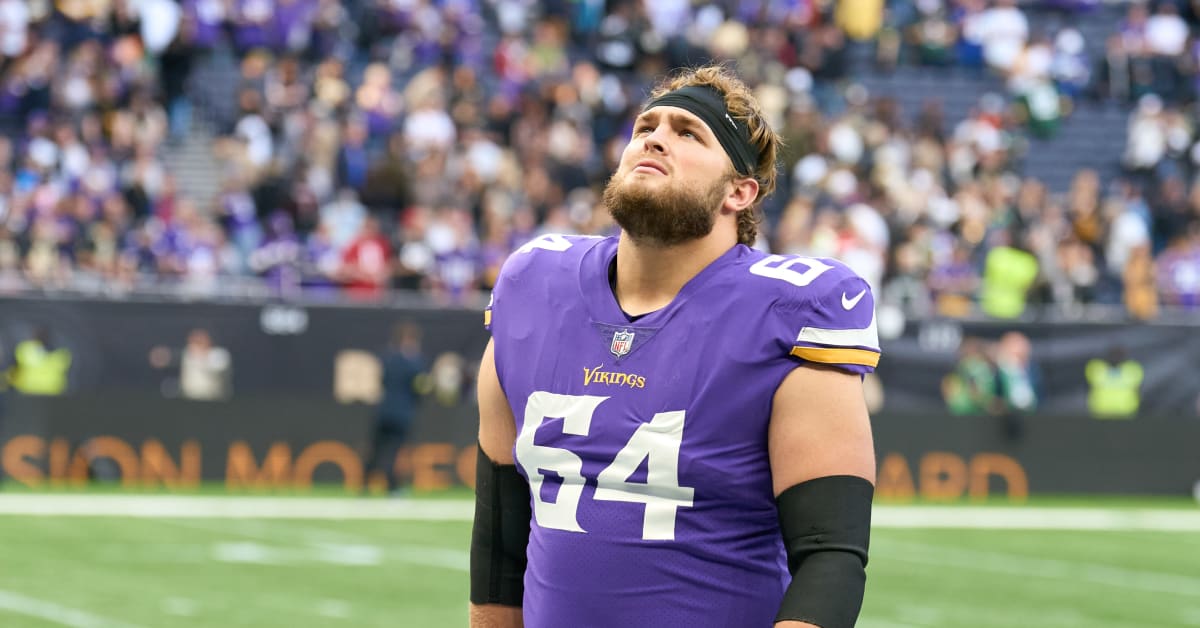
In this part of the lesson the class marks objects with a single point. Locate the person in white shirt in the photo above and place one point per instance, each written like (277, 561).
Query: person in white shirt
(1166, 32)
(14, 27)
(204, 369)
(1004, 30)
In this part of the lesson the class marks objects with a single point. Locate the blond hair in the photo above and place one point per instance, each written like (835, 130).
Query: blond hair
(742, 104)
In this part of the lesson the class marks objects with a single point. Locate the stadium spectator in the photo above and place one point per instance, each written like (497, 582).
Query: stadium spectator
(1113, 72)
(403, 105)
(1070, 67)
(906, 288)
(860, 19)
(205, 371)
(954, 283)
(1003, 31)
(970, 389)
(343, 218)
(1141, 295)
(321, 260)
(279, 257)
(1009, 273)
(1016, 374)
(969, 17)
(456, 255)
(366, 262)
(933, 34)
(1018, 382)
(39, 367)
(1167, 37)
(1178, 270)
(1114, 383)
(14, 28)
(404, 380)
(352, 159)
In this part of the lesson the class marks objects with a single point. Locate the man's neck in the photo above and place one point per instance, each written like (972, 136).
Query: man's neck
(649, 276)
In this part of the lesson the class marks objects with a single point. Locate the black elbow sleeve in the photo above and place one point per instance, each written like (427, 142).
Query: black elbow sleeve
(826, 525)
(500, 534)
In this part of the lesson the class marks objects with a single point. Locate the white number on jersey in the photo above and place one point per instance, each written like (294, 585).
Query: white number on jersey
(576, 411)
(657, 442)
(780, 267)
(550, 242)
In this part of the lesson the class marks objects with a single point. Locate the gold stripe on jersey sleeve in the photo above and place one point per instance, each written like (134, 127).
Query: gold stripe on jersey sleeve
(823, 355)
(487, 318)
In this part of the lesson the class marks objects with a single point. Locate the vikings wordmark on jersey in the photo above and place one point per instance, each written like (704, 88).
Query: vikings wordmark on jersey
(644, 442)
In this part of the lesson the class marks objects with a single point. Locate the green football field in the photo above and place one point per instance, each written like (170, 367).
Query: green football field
(185, 562)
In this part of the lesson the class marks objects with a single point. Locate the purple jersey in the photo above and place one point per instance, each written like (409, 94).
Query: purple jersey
(1179, 277)
(645, 442)
(207, 16)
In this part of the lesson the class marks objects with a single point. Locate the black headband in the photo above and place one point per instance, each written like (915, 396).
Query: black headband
(709, 105)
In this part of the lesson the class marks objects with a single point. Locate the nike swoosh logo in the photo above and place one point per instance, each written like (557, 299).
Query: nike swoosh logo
(848, 304)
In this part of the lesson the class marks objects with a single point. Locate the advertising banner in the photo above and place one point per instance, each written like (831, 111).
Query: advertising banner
(280, 443)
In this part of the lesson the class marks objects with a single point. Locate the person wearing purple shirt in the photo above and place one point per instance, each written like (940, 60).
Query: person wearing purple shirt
(953, 284)
(204, 18)
(279, 257)
(673, 430)
(140, 255)
(239, 216)
(353, 159)
(1179, 270)
(457, 270)
(320, 262)
(252, 27)
(293, 25)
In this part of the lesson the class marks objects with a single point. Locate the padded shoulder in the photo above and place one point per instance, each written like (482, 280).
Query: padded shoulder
(536, 268)
(822, 311)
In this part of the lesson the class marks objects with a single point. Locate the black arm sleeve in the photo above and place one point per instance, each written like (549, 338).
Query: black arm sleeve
(500, 534)
(826, 525)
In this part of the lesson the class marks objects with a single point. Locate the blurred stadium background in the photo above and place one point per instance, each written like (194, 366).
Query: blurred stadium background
(214, 214)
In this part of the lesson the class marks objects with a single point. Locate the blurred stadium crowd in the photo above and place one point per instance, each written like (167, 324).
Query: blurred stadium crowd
(414, 144)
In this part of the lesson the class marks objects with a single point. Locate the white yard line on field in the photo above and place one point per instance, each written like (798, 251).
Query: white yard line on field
(1028, 566)
(333, 542)
(342, 508)
(1036, 518)
(20, 604)
(454, 560)
(295, 532)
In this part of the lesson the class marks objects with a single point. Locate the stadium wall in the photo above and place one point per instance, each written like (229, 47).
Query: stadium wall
(271, 443)
(304, 379)
(276, 348)
(301, 349)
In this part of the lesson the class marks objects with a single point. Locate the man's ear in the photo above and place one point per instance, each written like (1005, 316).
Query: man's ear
(743, 194)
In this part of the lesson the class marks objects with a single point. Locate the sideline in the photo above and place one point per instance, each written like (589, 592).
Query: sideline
(338, 508)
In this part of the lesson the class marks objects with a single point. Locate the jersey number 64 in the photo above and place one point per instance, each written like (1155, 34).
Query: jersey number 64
(656, 441)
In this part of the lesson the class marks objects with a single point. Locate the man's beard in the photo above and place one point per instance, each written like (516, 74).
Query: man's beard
(667, 216)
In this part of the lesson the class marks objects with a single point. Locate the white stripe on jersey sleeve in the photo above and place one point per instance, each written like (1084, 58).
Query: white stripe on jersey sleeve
(868, 337)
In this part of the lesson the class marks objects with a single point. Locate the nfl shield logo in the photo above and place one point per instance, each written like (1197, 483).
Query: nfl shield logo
(622, 342)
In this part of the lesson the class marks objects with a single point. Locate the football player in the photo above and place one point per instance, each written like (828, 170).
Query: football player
(672, 423)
